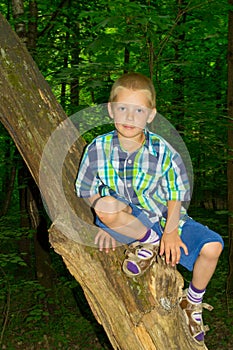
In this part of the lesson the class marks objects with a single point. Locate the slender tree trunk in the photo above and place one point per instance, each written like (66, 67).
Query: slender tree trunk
(31, 206)
(32, 27)
(8, 190)
(179, 78)
(63, 97)
(230, 146)
(8, 176)
(18, 11)
(139, 314)
(126, 58)
(24, 244)
(74, 86)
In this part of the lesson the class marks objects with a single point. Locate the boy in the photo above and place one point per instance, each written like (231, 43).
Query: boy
(136, 183)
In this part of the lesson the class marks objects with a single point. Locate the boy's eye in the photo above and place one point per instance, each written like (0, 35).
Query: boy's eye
(121, 108)
(140, 110)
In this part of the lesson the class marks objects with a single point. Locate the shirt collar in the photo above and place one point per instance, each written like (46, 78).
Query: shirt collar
(148, 145)
(116, 143)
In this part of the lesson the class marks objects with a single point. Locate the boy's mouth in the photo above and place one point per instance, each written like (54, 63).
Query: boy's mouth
(126, 126)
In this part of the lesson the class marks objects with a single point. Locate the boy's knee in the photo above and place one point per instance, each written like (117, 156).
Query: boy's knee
(107, 218)
(212, 250)
(108, 208)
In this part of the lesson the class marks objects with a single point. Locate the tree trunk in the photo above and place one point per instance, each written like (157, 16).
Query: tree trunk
(25, 242)
(178, 74)
(8, 176)
(230, 147)
(31, 206)
(140, 313)
(18, 11)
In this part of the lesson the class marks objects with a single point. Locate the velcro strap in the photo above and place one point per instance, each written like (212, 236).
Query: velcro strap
(207, 306)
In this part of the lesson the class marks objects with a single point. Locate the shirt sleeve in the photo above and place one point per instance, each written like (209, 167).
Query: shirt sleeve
(87, 182)
(175, 181)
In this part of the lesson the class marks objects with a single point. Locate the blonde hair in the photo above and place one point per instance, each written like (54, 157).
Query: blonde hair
(134, 81)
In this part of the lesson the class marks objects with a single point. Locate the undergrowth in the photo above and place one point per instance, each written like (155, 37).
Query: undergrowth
(34, 318)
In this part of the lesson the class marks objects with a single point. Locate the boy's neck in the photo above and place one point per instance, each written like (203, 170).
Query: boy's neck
(131, 145)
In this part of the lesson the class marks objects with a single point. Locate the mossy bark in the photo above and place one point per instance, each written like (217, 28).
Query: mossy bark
(137, 314)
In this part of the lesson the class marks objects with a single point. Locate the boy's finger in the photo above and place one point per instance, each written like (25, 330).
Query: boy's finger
(96, 239)
(178, 253)
(113, 244)
(185, 249)
(98, 235)
(173, 257)
(161, 251)
(168, 255)
(106, 244)
(101, 243)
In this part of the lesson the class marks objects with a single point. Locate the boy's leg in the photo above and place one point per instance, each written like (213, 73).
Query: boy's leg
(117, 215)
(205, 264)
(128, 224)
(204, 269)
(205, 247)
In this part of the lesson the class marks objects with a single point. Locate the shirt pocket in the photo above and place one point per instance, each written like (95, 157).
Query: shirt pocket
(146, 182)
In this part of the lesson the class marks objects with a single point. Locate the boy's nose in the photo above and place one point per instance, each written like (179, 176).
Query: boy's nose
(130, 115)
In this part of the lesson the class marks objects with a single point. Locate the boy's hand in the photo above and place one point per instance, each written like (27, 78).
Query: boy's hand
(170, 246)
(105, 241)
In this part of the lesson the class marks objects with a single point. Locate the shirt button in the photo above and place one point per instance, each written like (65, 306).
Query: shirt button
(130, 161)
(128, 185)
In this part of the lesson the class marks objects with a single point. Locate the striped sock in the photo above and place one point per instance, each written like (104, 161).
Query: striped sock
(150, 237)
(195, 296)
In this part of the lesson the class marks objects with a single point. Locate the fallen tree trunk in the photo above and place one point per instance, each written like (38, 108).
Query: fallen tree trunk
(137, 314)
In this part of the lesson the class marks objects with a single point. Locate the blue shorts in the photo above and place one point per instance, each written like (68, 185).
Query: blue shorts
(193, 234)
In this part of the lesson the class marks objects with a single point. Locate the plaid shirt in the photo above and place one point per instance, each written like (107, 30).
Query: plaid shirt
(148, 177)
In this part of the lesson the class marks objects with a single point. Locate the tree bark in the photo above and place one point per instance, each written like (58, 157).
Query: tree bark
(230, 147)
(140, 313)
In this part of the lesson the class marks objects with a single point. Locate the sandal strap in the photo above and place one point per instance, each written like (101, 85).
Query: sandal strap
(142, 266)
(142, 261)
(206, 328)
(138, 244)
(207, 306)
(132, 256)
(136, 247)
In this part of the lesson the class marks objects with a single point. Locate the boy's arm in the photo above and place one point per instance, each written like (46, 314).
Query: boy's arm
(171, 241)
(103, 239)
(87, 183)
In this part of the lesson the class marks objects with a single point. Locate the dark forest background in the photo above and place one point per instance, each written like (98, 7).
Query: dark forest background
(81, 48)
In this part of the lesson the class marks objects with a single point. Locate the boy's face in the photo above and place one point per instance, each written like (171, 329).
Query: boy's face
(131, 112)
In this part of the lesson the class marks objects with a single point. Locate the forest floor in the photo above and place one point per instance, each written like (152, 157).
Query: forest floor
(36, 319)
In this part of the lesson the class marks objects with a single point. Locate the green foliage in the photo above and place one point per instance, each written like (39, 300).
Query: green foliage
(81, 48)
(12, 258)
(32, 315)
(183, 47)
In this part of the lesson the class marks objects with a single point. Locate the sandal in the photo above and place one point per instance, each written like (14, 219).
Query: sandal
(139, 257)
(196, 329)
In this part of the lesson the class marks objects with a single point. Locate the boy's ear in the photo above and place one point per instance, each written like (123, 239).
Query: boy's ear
(152, 115)
(110, 112)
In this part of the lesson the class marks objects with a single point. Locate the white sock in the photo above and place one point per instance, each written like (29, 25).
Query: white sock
(151, 237)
